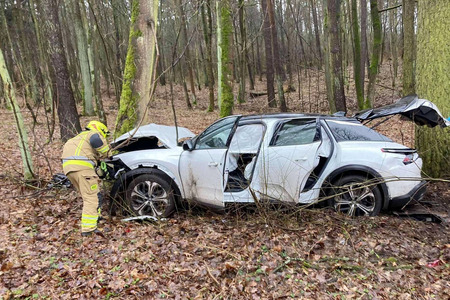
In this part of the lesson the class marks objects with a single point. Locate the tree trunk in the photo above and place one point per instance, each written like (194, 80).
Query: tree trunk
(279, 72)
(43, 60)
(187, 54)
(82, 46)
(393, 41)
(316, 31)
(242, 53)
(433, 79)
(67, 111)
(409, 47)
(224, 36)
(207, 29)
(364, 54)
(139, 73)
(269, 55)
(21, 130)
(376, 52)
(335, 86)
(359, 78)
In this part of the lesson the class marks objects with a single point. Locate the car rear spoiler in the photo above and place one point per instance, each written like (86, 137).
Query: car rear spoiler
(421, 111)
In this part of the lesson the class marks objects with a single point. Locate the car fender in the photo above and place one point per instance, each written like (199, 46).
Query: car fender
(359, 169)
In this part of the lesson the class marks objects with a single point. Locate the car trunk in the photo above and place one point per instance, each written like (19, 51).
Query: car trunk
(421, 111)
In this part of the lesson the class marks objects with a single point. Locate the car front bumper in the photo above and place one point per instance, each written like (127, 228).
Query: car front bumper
(415, 195)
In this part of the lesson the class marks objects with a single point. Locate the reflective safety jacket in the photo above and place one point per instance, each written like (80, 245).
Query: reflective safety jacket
(83, 151)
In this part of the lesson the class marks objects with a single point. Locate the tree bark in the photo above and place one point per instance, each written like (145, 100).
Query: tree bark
(139, 70)
(316, 31)
(242, 53)
(364, 54)
(269, 55)
(376, 52)
(393, 41)
(21, 130)
(433, 79)
(82, 46)
(335, 86)
(224, 74)
(43, 61)
(280, 76)
(187, 53)
(409, 47)
(208, 28)
(67, 111)
(359, 78)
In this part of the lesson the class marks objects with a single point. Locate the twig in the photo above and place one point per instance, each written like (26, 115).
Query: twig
(211, 275)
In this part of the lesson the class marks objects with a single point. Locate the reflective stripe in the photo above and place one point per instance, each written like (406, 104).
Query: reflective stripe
(88, 225)
(84, 221)
(89, 216)
(77, 158)
(103, 149)
(80, 144)
(89, 164)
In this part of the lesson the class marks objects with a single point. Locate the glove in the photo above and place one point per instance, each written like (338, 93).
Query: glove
(102, 170)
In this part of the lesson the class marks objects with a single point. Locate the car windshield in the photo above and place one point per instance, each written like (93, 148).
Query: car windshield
(352, 131)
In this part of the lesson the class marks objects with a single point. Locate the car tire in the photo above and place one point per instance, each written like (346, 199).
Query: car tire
(356, 195)
(150, 194)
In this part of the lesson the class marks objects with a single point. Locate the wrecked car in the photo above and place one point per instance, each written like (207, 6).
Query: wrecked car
(288, 158)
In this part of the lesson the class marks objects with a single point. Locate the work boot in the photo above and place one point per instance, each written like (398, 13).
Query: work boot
(89, 233)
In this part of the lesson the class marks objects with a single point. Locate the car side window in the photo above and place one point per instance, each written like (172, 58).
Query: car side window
(297, 132)
(352, 131)
(216, 135)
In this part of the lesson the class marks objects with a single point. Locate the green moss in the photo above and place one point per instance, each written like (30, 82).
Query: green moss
(127, 116)
(226, 102)
(433, 83)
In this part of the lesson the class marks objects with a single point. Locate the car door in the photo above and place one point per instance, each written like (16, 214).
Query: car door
(201, 168)
(290, 158)
(242, 154)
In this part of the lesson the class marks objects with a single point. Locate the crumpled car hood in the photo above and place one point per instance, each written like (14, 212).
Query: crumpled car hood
(421, 111)
(166, 134)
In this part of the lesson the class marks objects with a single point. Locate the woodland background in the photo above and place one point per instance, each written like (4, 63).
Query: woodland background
(64, 63)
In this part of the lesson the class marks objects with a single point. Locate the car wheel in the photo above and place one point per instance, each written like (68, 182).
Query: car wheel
(150, 195)
(355, 196)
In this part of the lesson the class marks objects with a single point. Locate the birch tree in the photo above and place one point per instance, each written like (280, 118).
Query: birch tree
(10, 94)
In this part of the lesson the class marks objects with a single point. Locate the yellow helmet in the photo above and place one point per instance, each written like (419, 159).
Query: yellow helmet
(99, 127)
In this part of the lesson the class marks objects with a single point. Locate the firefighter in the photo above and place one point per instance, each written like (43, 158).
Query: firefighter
(80, 157)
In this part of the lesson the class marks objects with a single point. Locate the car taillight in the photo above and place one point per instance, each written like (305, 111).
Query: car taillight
(408, 159)
(408, 152)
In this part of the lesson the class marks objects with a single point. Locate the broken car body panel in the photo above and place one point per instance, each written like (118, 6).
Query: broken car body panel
(167, 135)
(421, 111)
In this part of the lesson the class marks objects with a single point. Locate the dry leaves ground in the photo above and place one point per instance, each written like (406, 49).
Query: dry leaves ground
(243, 254)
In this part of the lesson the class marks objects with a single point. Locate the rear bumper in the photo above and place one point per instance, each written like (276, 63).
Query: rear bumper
(416, 194)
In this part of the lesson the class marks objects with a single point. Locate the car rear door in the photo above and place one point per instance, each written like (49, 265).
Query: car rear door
(289, 159)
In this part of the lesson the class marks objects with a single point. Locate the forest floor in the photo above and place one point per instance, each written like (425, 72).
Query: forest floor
(198, 254)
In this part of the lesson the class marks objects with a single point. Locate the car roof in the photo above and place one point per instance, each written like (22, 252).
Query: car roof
(295, 116)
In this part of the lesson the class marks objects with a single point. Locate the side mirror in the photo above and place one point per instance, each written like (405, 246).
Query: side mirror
(188, 145)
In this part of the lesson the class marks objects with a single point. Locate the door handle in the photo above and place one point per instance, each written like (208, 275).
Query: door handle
(301, 159)
(213, 164)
